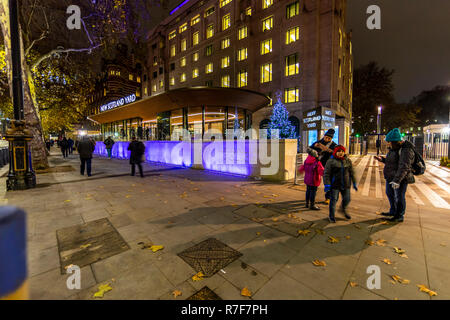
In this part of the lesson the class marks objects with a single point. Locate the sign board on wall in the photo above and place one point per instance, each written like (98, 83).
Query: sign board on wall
(118, 103)
(318, 119)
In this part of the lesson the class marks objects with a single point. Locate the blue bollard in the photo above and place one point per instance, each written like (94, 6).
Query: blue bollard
(13, 254)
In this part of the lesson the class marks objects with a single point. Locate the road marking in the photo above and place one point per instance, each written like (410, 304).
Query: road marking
(360, 168)
(444, 186)
(366, 188)
(432, 196)
(414, 195)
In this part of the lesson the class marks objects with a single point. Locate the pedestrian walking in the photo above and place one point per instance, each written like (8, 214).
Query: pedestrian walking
(109, 142)
(70, 145)
(313, 170)
(325, 147)
(339, 176)
(398, 173)
(137, 149)
(48, 144)
(85, 149)
(64, 147)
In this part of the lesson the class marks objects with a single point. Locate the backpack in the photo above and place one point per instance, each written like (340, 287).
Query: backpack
(418, 167)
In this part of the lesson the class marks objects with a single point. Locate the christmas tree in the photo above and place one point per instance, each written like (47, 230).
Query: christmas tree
(279, 120)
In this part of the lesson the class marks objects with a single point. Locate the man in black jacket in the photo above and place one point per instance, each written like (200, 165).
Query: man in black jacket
(398, 173)
(85, 149)
(325, 148)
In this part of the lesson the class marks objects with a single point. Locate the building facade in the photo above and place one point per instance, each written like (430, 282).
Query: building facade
(297, 51)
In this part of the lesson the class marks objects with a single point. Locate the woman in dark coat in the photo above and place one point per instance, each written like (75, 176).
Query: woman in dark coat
(137, 149)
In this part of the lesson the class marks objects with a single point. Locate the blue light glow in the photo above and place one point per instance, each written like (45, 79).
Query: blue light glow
(179, 6)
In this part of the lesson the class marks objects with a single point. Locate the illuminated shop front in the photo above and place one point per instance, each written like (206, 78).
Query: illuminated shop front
(165, 116)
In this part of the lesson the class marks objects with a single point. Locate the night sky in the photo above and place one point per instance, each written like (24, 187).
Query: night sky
(414, 40)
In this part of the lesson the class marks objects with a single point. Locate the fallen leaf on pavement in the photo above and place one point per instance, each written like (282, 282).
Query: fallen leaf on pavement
(347, 237)
(177, 293)
(385, 222)
(320, 231)
(195, 189)
(378, 213)
(319, 263)
(400, 279)
(127, 196)
(370, 242)
(443, 245)
(84, 246)
(274, 219)
(399, 250)
(258, 233)
(304, 232)
(423, 288)
(274, 195)
(102, 289)
(381, 243)
(245, 292)
(353, 284)
(67, 200)
(197, 277)
(222, 198)
(357, 226)
(403, 255)
(156, 248)
(266, 196)
(387, 261)
(332, 239)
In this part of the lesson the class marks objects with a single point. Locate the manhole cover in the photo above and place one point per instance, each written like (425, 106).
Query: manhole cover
(209, 256)
(204, 293)
(87, 243)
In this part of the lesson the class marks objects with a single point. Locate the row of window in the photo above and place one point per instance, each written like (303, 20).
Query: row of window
(292, 35)
(130, 75)
(267, 23)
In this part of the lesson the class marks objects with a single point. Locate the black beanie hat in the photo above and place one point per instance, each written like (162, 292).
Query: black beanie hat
(330, 133)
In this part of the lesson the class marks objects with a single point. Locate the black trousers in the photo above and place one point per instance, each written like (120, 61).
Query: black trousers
(133, 169)
(311, 194)
(64, 152)
(85, 163)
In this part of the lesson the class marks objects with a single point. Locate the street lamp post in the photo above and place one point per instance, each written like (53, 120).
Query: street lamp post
(379, 130)
(21, 175)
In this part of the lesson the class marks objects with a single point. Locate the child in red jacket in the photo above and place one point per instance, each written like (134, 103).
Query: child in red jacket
(313, 169)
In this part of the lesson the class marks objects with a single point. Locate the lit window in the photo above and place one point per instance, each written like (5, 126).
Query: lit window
(161, 84)
(183, 27)
(266, 46)
(195, 38)
(226, 22)
(266, 3)
(183, 62)
(195, 73)
(340, 38)
(350, 47)
(292, 9)
(172, 35)
(266, 72)
(225, 62)
(292, 35)
(242, 54)
(173, 50)
(138, 79)
(267, 24)
(138, 93)
(225, 81)
(242, 33)
(292, 65)
(195, 20)
(183, 45)
(209, 31)
(104, 92)
(130, 77)
(155, 61)
(225, 43)
(145, 91)
(209, 12)
(291, 95)
(195, 56)
(248, 11)
(340, 68)
(183, 77)
(242, 78)
(172, 81)
(209, 68)
(224, 2)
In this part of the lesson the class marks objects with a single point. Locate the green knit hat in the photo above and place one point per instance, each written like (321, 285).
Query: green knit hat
(394, 135)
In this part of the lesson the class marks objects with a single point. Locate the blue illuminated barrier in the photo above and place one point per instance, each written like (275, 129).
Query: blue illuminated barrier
(4, 156)
(13, 255)
(182, 153)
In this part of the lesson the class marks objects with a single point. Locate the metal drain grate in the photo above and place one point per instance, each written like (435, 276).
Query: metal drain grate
(204, 293)
(209, 256)
(87, 243)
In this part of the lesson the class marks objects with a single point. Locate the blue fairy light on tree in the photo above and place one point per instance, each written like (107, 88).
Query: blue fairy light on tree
(279, 120)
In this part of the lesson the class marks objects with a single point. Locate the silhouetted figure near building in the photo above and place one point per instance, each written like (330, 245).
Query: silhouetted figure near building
(85, 149)
(109, 142)
(64, 147)
(137, 149)
(70, 147)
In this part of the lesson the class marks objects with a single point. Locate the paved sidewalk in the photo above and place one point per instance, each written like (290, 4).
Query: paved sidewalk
(179, 208)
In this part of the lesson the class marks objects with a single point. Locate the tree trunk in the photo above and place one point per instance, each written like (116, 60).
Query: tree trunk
(38, 149)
